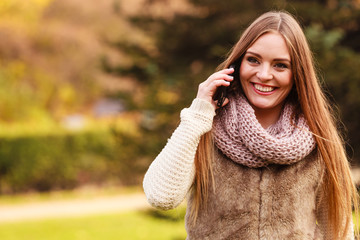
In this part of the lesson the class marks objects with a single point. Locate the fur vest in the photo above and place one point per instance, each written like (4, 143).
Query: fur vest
(273, 202)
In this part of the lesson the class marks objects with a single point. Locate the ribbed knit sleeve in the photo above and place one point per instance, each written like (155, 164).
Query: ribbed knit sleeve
(171, 174)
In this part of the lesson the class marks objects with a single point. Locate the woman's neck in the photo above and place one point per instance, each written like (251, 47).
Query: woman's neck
(268, 117)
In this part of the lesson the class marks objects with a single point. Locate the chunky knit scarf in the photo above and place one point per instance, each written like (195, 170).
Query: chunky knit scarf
(239, 135)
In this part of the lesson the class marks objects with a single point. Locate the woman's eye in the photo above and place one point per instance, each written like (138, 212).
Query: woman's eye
(281, 65)
(252, 60)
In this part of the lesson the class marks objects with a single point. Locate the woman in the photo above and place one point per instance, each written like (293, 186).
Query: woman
(269, 163)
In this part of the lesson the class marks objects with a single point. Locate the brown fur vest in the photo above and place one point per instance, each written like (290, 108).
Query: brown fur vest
(273, 202)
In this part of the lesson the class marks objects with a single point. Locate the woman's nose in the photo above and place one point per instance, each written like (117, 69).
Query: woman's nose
(264, 73)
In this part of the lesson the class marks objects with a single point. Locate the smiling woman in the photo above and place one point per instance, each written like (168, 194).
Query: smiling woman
(269, 163)
(266, 77)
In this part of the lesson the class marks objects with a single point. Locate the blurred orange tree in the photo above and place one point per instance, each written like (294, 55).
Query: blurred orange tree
(46, 59)
(50, 68)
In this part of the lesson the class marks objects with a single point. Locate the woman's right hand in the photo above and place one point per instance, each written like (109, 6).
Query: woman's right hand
(208, 88)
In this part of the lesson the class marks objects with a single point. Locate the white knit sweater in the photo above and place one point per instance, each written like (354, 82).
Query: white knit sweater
(171, 174)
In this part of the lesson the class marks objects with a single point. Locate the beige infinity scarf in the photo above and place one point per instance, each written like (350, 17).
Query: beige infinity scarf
(239, 135)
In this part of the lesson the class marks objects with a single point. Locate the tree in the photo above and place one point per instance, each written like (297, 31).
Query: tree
(189, 45)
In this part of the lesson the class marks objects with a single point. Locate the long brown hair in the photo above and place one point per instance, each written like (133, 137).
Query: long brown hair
(310, 100)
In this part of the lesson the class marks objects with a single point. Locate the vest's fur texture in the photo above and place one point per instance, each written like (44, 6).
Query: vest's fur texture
(275, 202)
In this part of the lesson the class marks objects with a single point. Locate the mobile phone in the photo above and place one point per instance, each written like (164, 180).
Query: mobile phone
(221, 92)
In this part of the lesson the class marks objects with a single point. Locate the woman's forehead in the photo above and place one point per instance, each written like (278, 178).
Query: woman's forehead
(270, 44)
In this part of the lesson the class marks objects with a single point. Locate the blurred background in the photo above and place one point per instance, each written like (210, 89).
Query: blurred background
(90, 91)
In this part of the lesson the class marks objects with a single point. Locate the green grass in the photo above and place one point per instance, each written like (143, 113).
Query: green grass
(135, 225)
(147, 225)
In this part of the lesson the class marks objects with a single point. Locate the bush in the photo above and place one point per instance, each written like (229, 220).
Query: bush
(67, 160)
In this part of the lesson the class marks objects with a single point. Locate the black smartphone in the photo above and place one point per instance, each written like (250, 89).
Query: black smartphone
(221, 92)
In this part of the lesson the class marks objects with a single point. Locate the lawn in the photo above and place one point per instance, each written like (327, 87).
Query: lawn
(147, 225)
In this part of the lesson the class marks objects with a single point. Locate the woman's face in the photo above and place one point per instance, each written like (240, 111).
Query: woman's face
(265, 73)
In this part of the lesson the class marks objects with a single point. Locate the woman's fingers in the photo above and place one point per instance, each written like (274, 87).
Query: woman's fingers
(208, 88)
(223, 74)
(206, 91)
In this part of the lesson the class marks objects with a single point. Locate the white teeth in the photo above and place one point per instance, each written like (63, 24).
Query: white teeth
(263, 88)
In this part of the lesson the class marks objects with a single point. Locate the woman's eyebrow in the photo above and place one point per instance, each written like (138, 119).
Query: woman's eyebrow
(276, 59)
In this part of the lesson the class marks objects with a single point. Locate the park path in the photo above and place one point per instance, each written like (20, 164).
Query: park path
(72, 208)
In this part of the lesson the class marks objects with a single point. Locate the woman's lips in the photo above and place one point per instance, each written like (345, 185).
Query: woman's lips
(263, 89)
